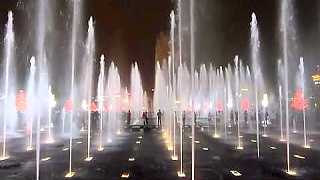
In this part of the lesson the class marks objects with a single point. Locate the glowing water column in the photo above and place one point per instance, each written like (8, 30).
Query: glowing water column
(192, 64)
(236, 60)
(301, 68)
(180, 173)
(9, 43)
(75, 23)
(281, 114)
(52, 104)
(265, 104)
(100, 99)
(286, 17)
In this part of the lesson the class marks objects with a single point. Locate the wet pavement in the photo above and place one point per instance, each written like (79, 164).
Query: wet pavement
(151, 159)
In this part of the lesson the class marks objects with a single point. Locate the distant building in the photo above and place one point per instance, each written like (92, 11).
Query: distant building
(315, 96)
(316, 77)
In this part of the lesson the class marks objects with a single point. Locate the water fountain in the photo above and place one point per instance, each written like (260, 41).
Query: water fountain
(90, 55)
(192, 64)
(31, 101)
(285, 22)
(173, 96)
(255, 60)
(136, 94)
(113, 90)
(100, 99)
(301, 68)
(75, 21)
(51, 105)
(8, 57)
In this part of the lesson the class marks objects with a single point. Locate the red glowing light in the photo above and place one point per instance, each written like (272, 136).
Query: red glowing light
(93, 106)
(69, 106)
(299, 102)
(21, 101)
(245, 104)
(219, 106)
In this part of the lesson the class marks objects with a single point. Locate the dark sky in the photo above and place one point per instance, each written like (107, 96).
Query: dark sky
(126, 31)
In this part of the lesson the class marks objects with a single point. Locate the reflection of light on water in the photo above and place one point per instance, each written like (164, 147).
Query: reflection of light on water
(70, 174)
(125, 175)
(174, 158)
(235, 173)
(271, 147)
(181, 174)
(4, 158)
(216, 136)
(299, 156)
(88, 159)
(307, 146)
(291, 172)
(46, 158)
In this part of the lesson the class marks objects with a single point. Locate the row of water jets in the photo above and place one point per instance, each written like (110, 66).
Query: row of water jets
(218, 89)
(40, 99)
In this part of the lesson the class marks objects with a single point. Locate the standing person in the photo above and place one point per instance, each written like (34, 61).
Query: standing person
(210, 119)
(184, 118)
(143, 118)
(245, 117)
(159, 115)
(146, 118)
(232, 118)
(128, 118)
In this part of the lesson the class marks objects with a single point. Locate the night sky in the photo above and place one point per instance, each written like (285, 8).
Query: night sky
(126, 31)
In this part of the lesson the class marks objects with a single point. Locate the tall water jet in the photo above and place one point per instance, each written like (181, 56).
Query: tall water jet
(136, 93)
(51, 105)
(8, 57)
(237, 94)
(75, 22)
(281, 113)
(31, 101)
(282, 138)
(180, 173)
(113, 90)
(286, 17)
(301, 68)
(173, 77)
(255, 60)
(192, 64)
(42, 84)
(100, 99)
(90, 56)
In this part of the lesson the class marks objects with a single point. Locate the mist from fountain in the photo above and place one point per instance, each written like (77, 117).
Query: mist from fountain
(136, 94)
(113, 91)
